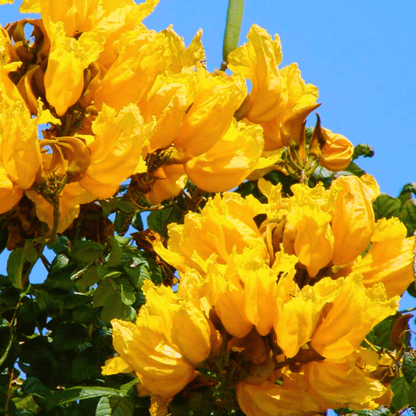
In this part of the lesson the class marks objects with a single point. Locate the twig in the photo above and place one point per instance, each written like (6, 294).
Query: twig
(9, 395)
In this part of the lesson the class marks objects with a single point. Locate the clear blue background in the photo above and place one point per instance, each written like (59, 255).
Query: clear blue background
(360, 54)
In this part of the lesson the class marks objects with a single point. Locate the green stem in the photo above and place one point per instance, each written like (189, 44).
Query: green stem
(232, 29)
(408, 310)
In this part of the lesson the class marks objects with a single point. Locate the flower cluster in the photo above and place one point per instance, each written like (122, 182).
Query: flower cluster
(294, 296)
(116, 99)
(277, 292)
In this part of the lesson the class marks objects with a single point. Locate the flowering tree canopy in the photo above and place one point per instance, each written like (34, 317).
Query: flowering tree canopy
(211, 254)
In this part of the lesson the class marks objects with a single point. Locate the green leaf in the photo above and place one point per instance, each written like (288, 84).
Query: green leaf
(68, 336)
(116, 254)
(108, 207)
(409, 366)
(411, 290)
(362, 150)
(114, 308)
(61, 245)
(137, 221)
(27, 403)
(128, 387)
(125, 205)
(412, 394)
(123, 241)
(85, 366)
(400, 388)
(33, 386)
(355, 170)
(407, 191)
(127, 294)
(90, 277)
(144, 268)
(113, 275)
(104, 290)
(79, 393)
(58, 263)
(115, 406)
(19, 263)
(380, 334)
(385, 206)
(159, 220)
(408, 216)
(122, 222)
(87, 251)
(232, 27)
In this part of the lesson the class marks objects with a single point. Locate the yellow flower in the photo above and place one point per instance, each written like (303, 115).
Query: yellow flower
(217, 97)
(264, 294)
(10, 193)
(352, 215)
(19, 145)
(167, 102)
(307, 232)
(343, 383)
(169, 181)
(142, 56)
(291, 398)
(275, 94)
(244, 292)
(297, 318)
(67, 60)
(225, 292)
(170, 337)
(88, 15)
(258, 61)
(7, 52)
(182, 322)
(183, 57)
(112, 19)
(30, 6)
(120, 18)
(390, 258)
(230, 160)
(353, 313)
(160, 366)
(223, 223)
(116, 150)
(336, 154)
(308, 235)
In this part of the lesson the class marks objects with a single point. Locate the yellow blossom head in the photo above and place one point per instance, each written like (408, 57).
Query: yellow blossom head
(352, 215)
(230, 160)
(224, 223)
(170, 336)
(116, 150)
(390, 258)
(217, 98)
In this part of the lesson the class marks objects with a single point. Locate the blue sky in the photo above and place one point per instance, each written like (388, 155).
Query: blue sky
(361, 56)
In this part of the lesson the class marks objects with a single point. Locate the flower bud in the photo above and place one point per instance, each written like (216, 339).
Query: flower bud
(336, 152)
